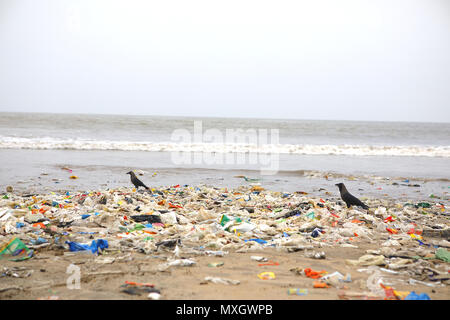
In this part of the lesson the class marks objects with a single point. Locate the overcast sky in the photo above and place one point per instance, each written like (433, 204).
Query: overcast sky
(316, 59)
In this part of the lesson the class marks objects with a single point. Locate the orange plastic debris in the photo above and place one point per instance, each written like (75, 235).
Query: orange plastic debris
(389, 292)
(318, 284)
(139, 284)
(39, 224)
(149, 232)
(314, 274)
(413, 231)
(334, 215)
(269, 263)
(392, 231)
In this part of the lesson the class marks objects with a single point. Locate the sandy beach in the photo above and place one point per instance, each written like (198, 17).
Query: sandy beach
(398, 240)
(104, 281)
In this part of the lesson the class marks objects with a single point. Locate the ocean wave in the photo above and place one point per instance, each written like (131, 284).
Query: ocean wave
(301, 149)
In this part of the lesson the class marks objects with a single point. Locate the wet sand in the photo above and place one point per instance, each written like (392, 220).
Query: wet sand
(397, 178)
(104, 281)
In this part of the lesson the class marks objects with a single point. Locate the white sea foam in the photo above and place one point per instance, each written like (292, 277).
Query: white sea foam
(305, 149)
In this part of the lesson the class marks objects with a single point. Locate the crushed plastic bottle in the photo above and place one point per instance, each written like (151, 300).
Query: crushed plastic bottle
(297, 291)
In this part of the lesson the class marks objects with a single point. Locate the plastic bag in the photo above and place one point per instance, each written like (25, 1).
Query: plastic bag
(16, 248)
(221, 280)
(150, 218)
(243, 227)
(443, 254)
(415, 296)
(95, 247)
(374, 283)
(260, 241)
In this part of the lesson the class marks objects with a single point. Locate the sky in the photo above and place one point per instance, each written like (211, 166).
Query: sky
(384, 60)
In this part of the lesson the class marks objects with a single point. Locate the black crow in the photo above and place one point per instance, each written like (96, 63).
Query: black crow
(137, 183)
(349, 199)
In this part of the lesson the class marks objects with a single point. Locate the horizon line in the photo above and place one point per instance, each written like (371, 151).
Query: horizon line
(219, 117)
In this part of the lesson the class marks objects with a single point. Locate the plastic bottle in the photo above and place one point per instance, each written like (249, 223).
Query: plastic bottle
(297, 291)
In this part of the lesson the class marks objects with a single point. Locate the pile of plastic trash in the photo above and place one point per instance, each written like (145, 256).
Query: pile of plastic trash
(412, 237)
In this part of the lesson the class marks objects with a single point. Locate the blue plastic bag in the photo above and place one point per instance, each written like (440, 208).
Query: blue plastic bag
(260, 241)
(415, 296)
(20, 225)
(95, 246)
(316, 232)
(38, 241)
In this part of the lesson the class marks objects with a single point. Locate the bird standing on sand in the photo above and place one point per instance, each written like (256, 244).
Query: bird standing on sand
(137, 183)
(348, 198)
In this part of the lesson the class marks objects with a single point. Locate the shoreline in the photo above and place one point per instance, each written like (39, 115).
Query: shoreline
(314, 183)
(41, 171)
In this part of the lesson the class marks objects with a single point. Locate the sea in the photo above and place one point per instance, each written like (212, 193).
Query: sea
(48, 152)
